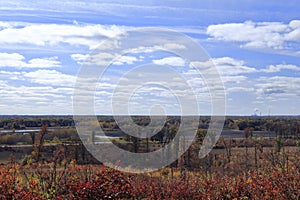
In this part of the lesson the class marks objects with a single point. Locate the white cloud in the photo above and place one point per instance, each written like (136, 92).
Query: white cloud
(233, 79)
(6, 75)
(278, 68)
(103, 59)
(173, 61)
(125, 60)
(201, 65)
(240, 89)
(231, 66)
(149, 49)
(50, 77)
(17, 60)
(80, 58)
(226, 66)
(12, 60)
(53, 34)
(273, 35)
(43, 62)
(294, 34)
(247, 90)
(4, 25)
(231, 72)
(34, 99)
(278, 85)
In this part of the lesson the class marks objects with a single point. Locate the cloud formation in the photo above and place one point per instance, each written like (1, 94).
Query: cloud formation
(54, 34)
(231, 66)
(50, 77)
(275, 35)
(173, 61)
(278, 68)
(17, 60)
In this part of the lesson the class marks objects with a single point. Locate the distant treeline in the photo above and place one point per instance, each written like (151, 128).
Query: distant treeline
(273, 123)
(24, 122)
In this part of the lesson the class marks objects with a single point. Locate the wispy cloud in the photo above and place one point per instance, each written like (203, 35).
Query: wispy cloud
(280, 67)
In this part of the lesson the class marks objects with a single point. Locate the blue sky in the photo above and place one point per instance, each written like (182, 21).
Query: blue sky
(255, 46)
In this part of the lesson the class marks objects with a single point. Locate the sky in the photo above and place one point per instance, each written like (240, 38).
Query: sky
(255, 46)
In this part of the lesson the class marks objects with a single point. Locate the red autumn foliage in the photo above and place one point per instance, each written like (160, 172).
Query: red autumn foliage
(94, 182)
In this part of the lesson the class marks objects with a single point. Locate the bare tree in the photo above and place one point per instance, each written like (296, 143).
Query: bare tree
(39, 144)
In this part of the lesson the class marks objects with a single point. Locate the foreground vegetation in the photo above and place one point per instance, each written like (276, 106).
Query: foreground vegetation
(71, 181)
(55, 164)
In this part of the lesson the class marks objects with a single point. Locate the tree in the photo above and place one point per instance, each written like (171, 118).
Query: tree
(38, 146)
(248, 132)
(32, 135)
(243, 125)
